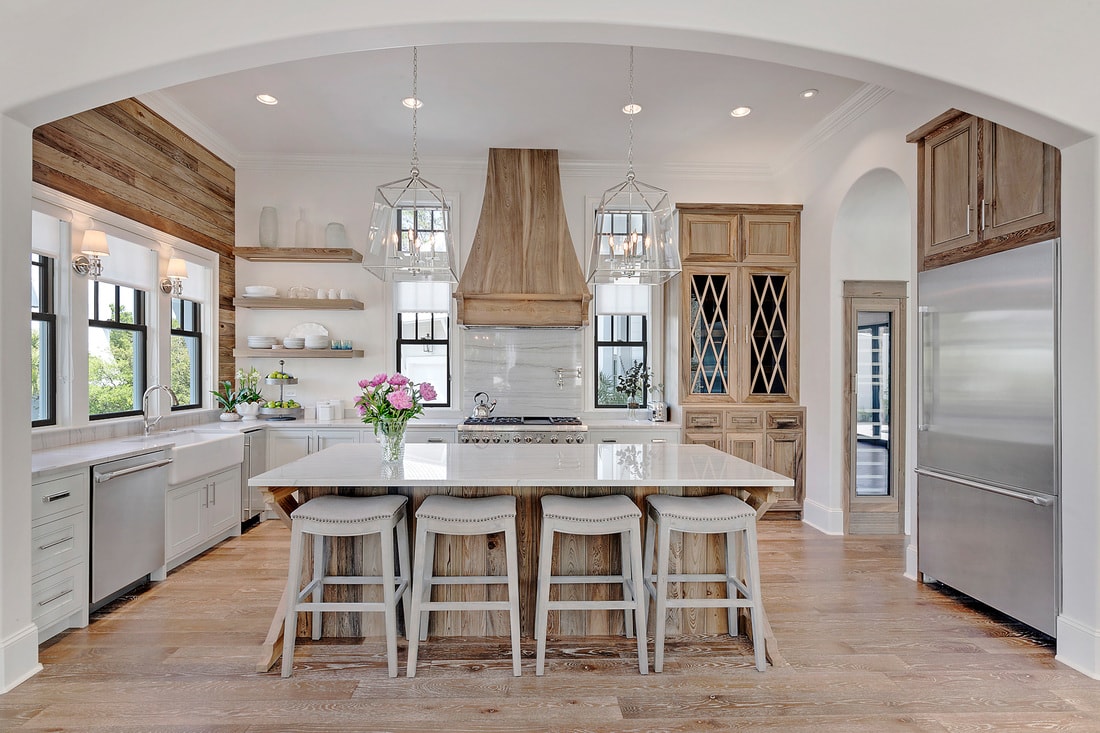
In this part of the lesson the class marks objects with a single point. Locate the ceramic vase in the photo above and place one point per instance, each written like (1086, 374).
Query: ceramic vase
(391, 434)
(336, 237)
(248, 410)
(269, 227)
(301, 230)
(229, 417)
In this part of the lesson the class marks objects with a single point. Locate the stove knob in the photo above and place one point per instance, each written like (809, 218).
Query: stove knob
(528, 439)
(553, 439)
(580, 439)
(538, 438)
(569, 439)
(515, 439)
(465, 439)
(496, 439)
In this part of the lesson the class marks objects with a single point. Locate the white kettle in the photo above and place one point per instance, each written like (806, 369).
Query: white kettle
(482, 406)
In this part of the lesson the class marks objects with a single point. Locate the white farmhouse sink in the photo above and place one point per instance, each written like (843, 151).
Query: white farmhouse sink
(196, 454)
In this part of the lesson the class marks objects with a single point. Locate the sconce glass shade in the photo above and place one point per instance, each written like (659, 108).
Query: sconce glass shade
(633, 242)
(95, 243)
(410, 233)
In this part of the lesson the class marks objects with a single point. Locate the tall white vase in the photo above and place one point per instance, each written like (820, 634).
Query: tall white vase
(269, 227)
(301, 230)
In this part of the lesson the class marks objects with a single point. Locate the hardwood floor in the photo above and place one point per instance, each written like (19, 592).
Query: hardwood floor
(868, 649)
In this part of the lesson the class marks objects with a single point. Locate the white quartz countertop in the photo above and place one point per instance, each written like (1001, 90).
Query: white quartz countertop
(436, 464)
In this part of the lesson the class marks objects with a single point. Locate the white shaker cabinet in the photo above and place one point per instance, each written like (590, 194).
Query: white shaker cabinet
(59, 552)
(288, 444)
(200, 514)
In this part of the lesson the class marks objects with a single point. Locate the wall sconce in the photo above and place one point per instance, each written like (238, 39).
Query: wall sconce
(94, 247)
(177, 273)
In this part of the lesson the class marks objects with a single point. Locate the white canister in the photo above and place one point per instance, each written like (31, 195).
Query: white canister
(325, 411)
(269, 227)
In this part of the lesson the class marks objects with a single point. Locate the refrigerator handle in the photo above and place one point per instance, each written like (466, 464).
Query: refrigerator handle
(922, 422)
(1037, 500)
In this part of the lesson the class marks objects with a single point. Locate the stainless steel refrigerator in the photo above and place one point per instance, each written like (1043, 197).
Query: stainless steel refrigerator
(987, 445)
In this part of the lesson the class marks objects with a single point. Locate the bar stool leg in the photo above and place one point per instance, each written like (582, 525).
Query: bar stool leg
(542, 606)
(405, 568)
(638, 587)
(293, 582)
(758, 642)
(428, 571)
(319, 580)
(511, 551)
(389, 597)
(628, 583)
(413, 632)
(734, 549)
(664, 541)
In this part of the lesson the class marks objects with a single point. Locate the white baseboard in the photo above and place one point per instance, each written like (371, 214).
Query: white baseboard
(1079, 647)
(911, 560)
(822, 518)
(19, 658)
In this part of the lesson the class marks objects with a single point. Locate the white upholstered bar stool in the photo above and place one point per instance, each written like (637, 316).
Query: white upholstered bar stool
(716, 514)
(347, 516)
(453, 515)
(599, 515)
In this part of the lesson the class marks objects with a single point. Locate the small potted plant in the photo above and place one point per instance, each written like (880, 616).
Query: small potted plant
(634, 383)
(227, 398)
(249, 399)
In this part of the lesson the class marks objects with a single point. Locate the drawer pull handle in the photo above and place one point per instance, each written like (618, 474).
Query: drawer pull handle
(55, 543)
(48, 601)
(608, 440)
(436, 440)
(658, 440)
(56, 497)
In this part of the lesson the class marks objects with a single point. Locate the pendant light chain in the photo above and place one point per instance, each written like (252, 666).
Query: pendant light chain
(415, 171)
(630, 124)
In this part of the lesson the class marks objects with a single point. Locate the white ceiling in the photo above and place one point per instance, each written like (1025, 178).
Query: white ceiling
(563, 96)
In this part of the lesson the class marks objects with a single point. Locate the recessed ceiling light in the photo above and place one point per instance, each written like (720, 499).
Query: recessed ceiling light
(266, 99)
(632, 109)
(740, 111)
(807, 93)
(412, 102)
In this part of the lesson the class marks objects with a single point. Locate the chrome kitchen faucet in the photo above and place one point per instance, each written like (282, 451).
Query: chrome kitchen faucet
(150, 424)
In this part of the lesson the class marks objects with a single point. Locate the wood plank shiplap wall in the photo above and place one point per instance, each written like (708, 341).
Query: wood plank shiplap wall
(125, 158)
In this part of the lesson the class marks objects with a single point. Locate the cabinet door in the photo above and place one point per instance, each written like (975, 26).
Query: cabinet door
(785, 454)
(184, 512)
(223, 511)
(710, 302)
(951, 187)
(770, 239)
(698, 437)
(327, 438)
(746, 446)
(768, 362)
(284, 446)
(1020, 181)
(708, 237)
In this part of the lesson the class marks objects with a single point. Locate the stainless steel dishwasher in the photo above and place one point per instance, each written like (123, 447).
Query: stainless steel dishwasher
(127, 525)
(255, 463)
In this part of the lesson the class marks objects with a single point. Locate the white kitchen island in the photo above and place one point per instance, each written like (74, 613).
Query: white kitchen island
(528, 472)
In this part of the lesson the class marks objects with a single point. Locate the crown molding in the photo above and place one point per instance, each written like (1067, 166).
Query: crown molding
(854, 107)
(191, 126)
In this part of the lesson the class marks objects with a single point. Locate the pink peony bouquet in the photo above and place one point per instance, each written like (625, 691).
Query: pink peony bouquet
(392, 400)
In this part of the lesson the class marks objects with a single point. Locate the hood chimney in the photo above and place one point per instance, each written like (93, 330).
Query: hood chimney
(522, 269)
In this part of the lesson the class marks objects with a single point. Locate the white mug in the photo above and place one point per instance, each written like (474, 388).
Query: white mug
(344, 294)
(332, 293)
(321, 293)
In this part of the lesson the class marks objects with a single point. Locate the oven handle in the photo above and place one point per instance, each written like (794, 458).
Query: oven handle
(102, 478)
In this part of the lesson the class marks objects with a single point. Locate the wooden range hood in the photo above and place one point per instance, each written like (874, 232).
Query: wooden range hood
(522, 269)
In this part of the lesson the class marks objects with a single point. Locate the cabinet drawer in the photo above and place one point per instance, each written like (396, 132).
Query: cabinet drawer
(427, 436)
(745, 420)
(58, 542)
(61, 494)
(696, 419)
(56, 596)
(785, 419)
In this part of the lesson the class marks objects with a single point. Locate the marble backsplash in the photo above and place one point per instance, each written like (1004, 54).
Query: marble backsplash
(518, 367)
(59, 437)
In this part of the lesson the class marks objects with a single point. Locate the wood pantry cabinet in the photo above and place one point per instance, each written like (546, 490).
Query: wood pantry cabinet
(984, 188)
(739, 334)
(772, 437)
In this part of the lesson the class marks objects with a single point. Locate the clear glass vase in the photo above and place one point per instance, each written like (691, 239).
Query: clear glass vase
(391, 434)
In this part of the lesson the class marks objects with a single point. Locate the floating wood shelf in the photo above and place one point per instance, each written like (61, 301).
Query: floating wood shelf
(320, 304)
(299, 353)
(298, 254)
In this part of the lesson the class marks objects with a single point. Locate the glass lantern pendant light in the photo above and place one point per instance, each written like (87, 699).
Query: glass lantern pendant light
(410, 229)
(633, 241)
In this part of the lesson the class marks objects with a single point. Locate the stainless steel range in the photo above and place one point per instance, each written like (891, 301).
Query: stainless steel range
(550, 430)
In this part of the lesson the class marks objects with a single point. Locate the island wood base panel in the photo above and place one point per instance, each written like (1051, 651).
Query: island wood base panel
(484, 555)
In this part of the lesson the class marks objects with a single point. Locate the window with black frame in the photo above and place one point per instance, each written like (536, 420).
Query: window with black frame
(621, 342)
(43, 342)
(423, 352)
(117, 337)
(421, 226)
(185, 353)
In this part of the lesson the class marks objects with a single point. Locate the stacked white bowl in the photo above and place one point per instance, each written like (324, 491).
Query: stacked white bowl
(294, 342)
(260, 291)
(315, 341)
(261, 342)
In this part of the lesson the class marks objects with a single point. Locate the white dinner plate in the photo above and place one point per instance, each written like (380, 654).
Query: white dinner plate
(308, 329)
